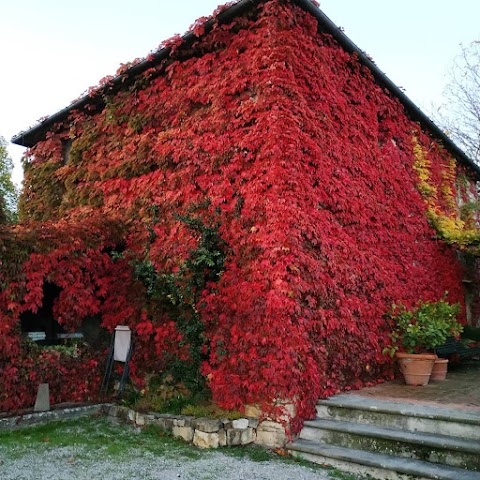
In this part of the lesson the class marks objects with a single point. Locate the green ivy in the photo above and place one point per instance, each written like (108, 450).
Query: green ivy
(178, 293)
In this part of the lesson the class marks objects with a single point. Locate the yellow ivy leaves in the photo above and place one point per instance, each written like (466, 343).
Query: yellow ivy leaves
(442, 210)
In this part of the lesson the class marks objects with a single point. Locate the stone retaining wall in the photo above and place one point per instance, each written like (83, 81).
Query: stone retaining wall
(18, 421)
(207, 432)
(202, 432)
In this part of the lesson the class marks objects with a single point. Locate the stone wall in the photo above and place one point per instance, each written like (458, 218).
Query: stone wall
(207, 432)
(28, 419)
(202, 432)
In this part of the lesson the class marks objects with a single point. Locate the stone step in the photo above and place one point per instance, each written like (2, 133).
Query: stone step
(378, 465)
(421, 446)
(413, 417)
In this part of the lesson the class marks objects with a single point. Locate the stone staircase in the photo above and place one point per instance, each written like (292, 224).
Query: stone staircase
(392, 439)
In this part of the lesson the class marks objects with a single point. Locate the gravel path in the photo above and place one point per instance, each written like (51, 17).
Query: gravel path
(70, 463)
(114, 452)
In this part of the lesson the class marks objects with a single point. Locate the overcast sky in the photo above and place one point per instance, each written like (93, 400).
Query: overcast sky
(52, 50)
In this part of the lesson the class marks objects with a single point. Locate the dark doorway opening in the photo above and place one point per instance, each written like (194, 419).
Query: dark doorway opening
(40, 326)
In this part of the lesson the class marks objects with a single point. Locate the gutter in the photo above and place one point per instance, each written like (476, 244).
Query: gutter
(37, 133)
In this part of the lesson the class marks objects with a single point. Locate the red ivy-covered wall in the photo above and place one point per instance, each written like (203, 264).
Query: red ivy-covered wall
(71, 254)
(268, 129)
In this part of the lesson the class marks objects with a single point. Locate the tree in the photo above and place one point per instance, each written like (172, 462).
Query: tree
(460, 114)
(8, 191)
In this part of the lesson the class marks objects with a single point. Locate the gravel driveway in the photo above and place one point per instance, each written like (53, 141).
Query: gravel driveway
(61, 465)
(95, 449)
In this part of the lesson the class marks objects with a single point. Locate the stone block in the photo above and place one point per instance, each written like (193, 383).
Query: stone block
(241, 423)
(112, 411)
(248, 436)
(160, 423)
(226, 423)
(182, 421)
(122, 412)
(105, 408)
(252, 411)
(186, 433)
(149, 419)
(253, 422)
(271, 434)
(289, 408)
(165, 422)
(42, 402)
(131, 415)
(222, 438)
(243, 436)
(140, 419)
(206, 440)
(208, 425)
(234, 436)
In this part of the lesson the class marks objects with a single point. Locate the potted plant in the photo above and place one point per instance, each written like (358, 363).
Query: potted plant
(415, 334)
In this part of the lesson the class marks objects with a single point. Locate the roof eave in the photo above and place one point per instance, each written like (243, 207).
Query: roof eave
(37, 133)
(32, 136)
(384, 81)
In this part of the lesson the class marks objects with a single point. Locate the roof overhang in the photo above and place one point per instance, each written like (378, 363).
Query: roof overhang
(37, 133)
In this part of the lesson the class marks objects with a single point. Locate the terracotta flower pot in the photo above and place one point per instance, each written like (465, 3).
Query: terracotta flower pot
(416, 367)
(439, 371)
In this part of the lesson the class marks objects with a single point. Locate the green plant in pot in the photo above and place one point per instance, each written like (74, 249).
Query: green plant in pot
(415, 334)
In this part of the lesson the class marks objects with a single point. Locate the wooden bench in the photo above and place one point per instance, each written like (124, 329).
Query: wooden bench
(453, 346)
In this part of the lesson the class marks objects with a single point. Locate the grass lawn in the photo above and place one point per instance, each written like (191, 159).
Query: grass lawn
(99, 448)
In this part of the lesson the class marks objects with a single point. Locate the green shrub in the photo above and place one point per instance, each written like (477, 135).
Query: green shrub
(424, 327)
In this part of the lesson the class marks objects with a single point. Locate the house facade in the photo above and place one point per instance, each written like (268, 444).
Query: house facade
(251, 200)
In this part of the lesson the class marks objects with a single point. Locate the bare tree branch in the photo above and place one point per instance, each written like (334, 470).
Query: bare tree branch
(460, 114)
